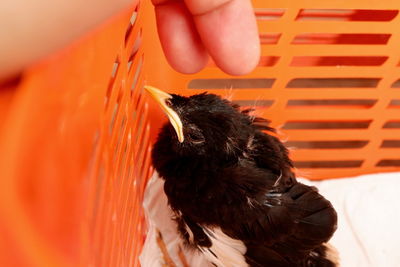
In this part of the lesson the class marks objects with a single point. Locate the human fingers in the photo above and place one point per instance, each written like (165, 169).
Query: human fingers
(229, 32)
(178, 36)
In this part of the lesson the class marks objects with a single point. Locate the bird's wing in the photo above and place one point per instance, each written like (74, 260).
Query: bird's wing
(269, 153)
(288, 223)
(295, 207)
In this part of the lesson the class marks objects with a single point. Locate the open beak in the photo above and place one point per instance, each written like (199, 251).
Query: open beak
(161, 98)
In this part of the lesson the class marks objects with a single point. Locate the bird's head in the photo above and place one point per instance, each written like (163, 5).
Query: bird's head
(202, 125)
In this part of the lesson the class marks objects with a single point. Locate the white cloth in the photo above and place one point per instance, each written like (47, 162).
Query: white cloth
(158, 216)
(368, 232)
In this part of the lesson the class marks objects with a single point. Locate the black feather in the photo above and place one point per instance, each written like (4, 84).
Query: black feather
(240, 178)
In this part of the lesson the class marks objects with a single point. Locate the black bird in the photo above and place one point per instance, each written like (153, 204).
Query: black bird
(231, 186)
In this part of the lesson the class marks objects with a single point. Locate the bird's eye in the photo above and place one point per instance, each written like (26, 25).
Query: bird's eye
(195, 137)
(168, 102)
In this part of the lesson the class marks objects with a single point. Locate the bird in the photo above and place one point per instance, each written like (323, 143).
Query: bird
(232, 187)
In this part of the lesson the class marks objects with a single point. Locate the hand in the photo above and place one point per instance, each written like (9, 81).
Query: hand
(191, 30)
(31, 30)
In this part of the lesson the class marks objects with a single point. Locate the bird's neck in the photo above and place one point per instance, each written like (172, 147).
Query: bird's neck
(188, 169)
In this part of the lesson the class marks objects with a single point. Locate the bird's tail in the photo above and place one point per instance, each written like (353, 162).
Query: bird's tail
(323, 256)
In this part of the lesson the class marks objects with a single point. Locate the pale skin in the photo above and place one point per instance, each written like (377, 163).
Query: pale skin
(226, 30)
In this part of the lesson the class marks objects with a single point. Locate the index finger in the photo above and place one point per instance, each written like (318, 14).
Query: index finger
(179, 38)
(229, 31)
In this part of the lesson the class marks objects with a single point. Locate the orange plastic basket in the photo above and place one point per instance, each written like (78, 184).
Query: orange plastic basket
(77, 129)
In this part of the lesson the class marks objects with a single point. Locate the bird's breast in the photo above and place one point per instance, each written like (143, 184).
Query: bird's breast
(224, 251)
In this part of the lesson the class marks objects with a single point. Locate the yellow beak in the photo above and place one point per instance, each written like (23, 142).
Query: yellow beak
(161, 97)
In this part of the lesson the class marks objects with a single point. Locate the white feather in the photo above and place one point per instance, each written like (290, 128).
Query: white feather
(224, 251)
(191, 236)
